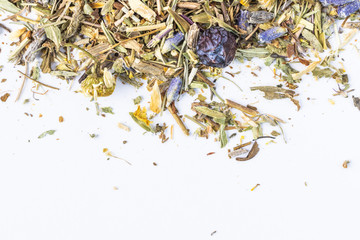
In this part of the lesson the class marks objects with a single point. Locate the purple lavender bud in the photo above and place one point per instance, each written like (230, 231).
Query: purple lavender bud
(271, 34)
(175, 40)
(173, 91)
(335, 2)
(348, 9)
(242, 20)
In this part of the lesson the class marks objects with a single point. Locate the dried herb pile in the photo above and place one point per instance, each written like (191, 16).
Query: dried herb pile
(178, 47)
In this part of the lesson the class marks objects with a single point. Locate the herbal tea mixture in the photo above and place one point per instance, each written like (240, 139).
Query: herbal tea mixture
(179, 48)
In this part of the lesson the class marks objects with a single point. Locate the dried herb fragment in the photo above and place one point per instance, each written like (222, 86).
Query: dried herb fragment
(107, 110)
(137, 100)
(356, 101)
(44, 134)
(5, 97)
(252, 153)
(272, 93)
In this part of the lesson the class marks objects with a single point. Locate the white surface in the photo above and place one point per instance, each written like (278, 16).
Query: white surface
(66, 189)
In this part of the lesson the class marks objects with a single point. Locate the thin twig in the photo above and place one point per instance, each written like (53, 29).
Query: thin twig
(252, 33)
(23, 82)
(178, 120)
(123, 41)
(204, 79)
(45, 85)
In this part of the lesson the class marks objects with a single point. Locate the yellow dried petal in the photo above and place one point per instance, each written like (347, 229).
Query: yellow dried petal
(140, 114)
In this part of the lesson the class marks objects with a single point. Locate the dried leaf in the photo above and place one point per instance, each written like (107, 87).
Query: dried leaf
(322, 72)
(210, 112)
(141, 123)
(137, 100)
(52, 32)
(107, 7)
(253, 152)
(44, 134)
(309, 68)
(8, 6)
(222, 136)
(314, 42)
(107, 110)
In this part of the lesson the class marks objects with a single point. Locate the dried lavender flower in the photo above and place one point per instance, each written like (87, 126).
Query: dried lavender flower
(348, 9)
(271, 34)
(242, 19)
(173, 91)
(216, 47)
(335, 2)
(175, 40)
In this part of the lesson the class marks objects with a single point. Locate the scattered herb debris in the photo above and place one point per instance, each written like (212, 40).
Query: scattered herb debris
(107, 110)
(93, 135)
(5, 97)
(44, 134)
(345, 163)
(255, 187)
(109, 154)
(179, 47)
(137, 100)
(124, 127)
(356, 101)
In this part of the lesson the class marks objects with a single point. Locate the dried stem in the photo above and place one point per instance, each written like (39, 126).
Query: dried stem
(23, 82)
(241, 108)
(45, 85)
(204, 79)
(178, 119)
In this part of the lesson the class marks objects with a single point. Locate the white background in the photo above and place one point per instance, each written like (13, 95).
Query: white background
(62, 187)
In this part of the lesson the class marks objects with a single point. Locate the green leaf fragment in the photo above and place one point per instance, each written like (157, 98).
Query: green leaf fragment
(222, 136)
(141, 123)
(44, 134)
(107, 110)
(8, 6)
(209, 112)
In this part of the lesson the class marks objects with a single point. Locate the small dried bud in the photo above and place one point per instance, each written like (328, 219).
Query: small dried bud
(271, 34)
(170, 42)
(173, 91)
